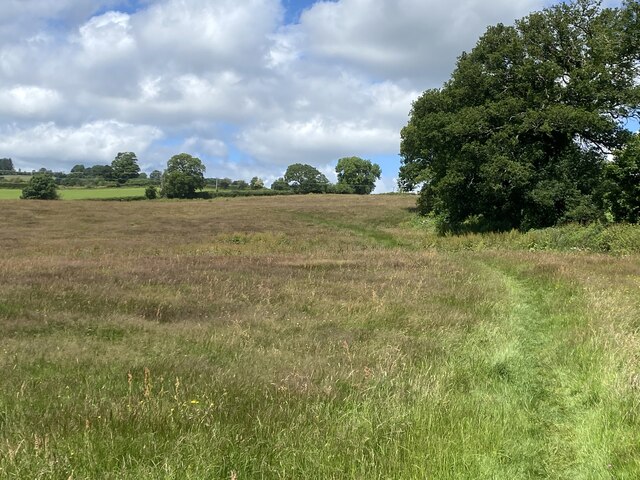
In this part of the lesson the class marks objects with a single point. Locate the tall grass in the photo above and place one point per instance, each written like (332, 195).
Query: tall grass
(306, 337)
(613, 238)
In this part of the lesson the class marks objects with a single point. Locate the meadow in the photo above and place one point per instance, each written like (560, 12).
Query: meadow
(82, 193)
(312, 337)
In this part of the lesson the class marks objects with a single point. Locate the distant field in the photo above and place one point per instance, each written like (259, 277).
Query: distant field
(16, 178)
(82, 193)
(314, 337)
(100, 193)
(10, 193)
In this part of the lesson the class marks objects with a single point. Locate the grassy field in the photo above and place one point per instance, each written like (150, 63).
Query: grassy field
(309, 337)
(10, 193)
(16, 178)
(82, 193)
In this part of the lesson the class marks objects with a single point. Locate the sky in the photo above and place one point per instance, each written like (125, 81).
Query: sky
(248, 86)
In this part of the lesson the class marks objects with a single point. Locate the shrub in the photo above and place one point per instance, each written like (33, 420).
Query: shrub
(40, 187)
(151, 192)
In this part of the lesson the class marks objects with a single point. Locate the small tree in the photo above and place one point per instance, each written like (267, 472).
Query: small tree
(358, 174)
(41, 187)
(151, 192)
(125, 166)
(256, 183)
(183, 176)
(305, 179)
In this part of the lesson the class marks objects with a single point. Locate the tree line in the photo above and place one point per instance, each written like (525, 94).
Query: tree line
(532, 129)
(184, 178)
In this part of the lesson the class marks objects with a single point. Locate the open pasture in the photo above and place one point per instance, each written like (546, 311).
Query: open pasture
(307, 337)
(82, 193)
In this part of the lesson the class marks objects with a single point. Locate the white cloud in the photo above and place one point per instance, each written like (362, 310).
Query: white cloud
(106, 37)
(316, 140)
(91, 143)
(227, 80)
(205, 147)
(415, 39)
(201, 35)
(28, 101)
(386, 185)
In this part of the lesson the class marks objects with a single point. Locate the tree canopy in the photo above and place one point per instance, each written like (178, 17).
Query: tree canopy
(6, 164)
(521, 133)
(125, 166)
(358, 174)
(303, 178)
(183, 176)
(280, 184)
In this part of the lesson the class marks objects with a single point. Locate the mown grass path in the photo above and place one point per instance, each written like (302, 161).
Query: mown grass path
(538, 380)
(550, 379)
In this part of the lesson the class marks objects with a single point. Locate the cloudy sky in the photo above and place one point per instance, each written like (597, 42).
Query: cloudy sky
(249, 86)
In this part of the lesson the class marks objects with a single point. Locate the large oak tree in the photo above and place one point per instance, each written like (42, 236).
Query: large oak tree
(520, 134)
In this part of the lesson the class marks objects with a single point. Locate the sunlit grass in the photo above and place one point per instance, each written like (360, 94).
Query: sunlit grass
(100, 193)
(10, 193)
(82, 193)
(306, 337)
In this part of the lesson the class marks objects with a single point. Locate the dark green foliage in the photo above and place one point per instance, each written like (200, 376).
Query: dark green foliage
(104, 171)
(41, 187)
(520, 135)
(621, 187)
(183, 176)
(151, 192)
(125, 166)
(280, 185)
(78, 169)
(239, 185)
(360, 175)
(6, 165)
(341, 188)
(305, 179)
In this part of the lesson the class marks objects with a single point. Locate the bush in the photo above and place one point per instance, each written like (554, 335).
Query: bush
(151, 192)
(40, 187)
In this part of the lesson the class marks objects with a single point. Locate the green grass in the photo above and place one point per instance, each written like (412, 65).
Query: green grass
(16, 178)
(9, 194)
(308, 337)
(83, 193)
(100, 193)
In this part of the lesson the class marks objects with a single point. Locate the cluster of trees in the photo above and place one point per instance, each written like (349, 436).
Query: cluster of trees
(530, 131)
(355, 175)
(123, 169)
(6, 166)
(184, 177)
